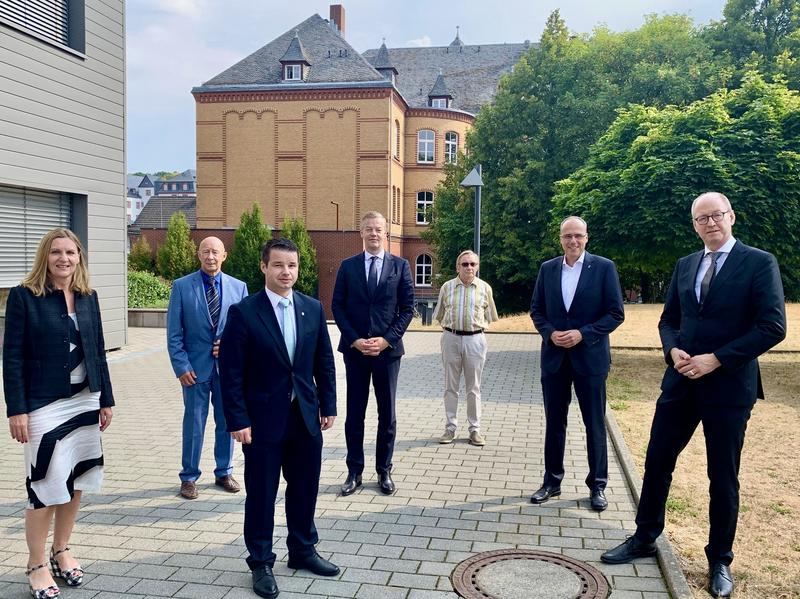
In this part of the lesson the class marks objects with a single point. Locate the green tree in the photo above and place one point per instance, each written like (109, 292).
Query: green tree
(245, 255)
(307, 278)
(637, 187)
(560, 98)
(178, 256)
(141, 256)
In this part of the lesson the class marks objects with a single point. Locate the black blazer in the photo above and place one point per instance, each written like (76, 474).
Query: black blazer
(386, 314)
(596, 310)
(742, 317)
(36, 349)
(257, 376)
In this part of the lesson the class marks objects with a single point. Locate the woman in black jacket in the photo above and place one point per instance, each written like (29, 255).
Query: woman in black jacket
(58, 399)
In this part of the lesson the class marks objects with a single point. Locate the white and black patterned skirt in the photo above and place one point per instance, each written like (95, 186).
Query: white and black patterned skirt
(64, 452)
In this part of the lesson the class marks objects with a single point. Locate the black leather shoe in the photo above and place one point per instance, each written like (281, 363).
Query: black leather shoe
(264, 584)
(386, 483)
(720, 580)
(351, 483)
(314, 563)
(598, 500)
(628, 551)
(545, 493)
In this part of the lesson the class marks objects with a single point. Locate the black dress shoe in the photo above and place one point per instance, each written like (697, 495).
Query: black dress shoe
(314, 563)
(351, 483)
(545, 493)
(386, 483)
(720, 580)
(264, 584)
(630, 550)
(598, 500)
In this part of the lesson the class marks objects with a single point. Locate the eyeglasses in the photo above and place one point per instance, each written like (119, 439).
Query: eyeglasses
(465, 264)
(575, 236)
(715, 216)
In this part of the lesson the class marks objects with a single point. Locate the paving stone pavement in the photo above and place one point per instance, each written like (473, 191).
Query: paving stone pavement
(139, 539)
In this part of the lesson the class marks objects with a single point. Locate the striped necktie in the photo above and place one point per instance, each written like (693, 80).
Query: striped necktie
(708, 278)
(212, 297)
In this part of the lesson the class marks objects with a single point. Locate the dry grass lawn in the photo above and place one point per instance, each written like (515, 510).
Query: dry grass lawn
(767, 548)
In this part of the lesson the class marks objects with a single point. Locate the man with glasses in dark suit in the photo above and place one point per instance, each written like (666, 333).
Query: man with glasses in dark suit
(724, 308)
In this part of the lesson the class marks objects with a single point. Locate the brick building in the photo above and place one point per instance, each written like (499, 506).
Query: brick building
(308, 127)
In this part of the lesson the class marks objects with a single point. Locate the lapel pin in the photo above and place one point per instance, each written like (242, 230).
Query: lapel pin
(302, 313)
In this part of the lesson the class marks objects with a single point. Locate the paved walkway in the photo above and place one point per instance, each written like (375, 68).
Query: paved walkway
(139, 539)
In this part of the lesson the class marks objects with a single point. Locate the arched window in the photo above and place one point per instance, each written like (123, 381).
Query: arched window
(394, 204)
(397, 139)
(426, 146)
(424, 270)
(424, 207)
(450, 146)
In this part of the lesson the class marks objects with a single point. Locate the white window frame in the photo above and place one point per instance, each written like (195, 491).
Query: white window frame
(439, 103)
(424, 205)
(451, 147)
(423, 270)
(292, 72)
(426, 146)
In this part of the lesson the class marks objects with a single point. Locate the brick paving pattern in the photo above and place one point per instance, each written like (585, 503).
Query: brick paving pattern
(139, 539)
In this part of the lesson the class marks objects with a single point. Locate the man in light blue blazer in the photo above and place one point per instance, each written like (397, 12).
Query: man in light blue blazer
(198, 306)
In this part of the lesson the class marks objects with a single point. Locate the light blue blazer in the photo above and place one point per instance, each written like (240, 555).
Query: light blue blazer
(190, 335)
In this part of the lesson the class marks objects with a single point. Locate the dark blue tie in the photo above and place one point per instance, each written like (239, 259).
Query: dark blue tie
(212, 297)
(372, 279)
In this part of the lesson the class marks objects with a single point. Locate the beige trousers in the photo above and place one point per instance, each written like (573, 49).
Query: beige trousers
(467, 354)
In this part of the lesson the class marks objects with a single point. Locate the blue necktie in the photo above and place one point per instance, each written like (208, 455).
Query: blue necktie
(212, 297)
(288, 328)
(372, 279)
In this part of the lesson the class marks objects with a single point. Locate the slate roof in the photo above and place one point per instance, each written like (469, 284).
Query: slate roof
(156, 213)
(295, 52)
(382, 60)
(333, 61)
(439, 89)
(472, 72)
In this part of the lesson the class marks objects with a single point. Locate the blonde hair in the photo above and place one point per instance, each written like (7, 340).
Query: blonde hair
(38, 281)
(464, 253)
(372, 214)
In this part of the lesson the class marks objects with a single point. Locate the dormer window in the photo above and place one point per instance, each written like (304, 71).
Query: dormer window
(439, 96)
(439, 103)
(293, 72)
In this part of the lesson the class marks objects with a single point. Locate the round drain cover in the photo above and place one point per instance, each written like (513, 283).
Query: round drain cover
(525, 574)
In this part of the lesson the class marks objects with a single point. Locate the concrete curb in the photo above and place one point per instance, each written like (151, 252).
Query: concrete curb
(667, 560)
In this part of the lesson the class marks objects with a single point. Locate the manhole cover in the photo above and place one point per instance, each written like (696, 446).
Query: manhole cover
(524, 574)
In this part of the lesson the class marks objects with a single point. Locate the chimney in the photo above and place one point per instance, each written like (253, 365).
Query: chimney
(337, 17)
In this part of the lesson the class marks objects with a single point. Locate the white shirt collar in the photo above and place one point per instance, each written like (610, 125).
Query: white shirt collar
(275, 299)
(380, 255)
(725, 249)
(580, 259)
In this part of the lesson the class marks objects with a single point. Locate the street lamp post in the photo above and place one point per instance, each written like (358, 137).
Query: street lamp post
(475, 181)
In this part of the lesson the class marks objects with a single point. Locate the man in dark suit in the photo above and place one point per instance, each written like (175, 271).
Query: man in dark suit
(373, 303)
(577, 303)
(724, 308)
(198, 309)
(279, 393)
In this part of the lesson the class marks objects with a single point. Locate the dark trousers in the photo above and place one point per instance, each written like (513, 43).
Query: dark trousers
(382, 371)
(674, 423)
(591, 393)
(299, 455)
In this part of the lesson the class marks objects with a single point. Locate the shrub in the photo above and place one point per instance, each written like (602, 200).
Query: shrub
(295, 229)
(178, 256)
(145, 290)
(245, 254)
(141, 256)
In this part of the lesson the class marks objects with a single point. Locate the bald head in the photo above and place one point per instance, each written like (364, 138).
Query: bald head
(211, 254)
(711, 195)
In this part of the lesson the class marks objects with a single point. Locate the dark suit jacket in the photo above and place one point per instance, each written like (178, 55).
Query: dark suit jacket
(596, 311)
(36, 349)
(742, 317)
(386, 314)
(257, 376)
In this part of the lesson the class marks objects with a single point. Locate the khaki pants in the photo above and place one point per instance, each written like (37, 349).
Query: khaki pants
(467, 354)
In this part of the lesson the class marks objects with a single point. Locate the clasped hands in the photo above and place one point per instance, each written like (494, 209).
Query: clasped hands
(245, 436)
(372, 346)
(566, 339)
(693, 367)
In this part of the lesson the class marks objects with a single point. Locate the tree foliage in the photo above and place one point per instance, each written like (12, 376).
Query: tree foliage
(560, 98)
(245, 255)
(178, 256)
(141, 256)
(295, 229)
(637, 186)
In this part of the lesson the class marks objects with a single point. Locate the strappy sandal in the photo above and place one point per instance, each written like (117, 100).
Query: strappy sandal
(73, 577)
(45, 593)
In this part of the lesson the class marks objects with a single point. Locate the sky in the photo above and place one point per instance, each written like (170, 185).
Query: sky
(175, 45)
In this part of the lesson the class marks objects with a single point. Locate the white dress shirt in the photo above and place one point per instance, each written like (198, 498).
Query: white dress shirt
(378, 265)
(706, 262)
(569, 279)
(274, 299)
